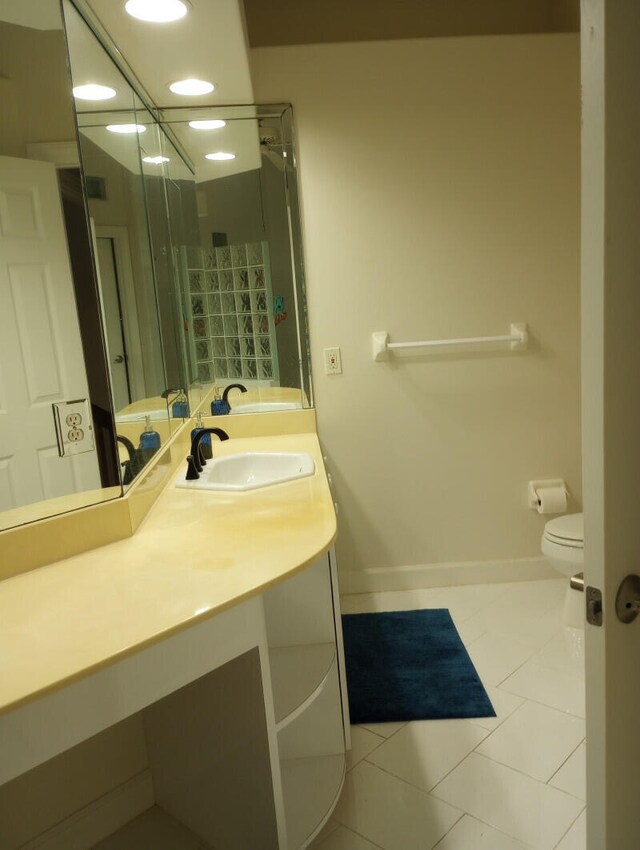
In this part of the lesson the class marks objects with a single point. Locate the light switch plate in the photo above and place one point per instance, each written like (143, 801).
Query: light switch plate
(74, 428)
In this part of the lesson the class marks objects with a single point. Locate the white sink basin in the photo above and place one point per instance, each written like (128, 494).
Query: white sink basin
(250, 470)
(265, 406)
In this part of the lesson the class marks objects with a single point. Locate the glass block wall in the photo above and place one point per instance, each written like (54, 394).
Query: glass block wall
(231, 304)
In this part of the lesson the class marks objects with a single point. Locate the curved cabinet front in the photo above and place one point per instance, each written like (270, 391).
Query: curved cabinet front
(305, 664)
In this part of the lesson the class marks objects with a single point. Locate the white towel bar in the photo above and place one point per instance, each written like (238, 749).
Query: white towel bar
(517, 336)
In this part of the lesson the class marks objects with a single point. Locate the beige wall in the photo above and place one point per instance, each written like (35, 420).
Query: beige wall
(440, 189)
(35, 94)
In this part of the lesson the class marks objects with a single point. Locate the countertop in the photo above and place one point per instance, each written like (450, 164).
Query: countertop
(197, 553)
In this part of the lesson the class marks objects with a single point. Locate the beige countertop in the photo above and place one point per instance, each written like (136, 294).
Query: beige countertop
(195, 554)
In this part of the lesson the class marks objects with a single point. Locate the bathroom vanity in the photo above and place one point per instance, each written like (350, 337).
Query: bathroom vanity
(217, 624)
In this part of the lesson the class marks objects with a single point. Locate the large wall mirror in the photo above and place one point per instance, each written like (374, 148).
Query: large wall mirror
(51, 349)
(172, 264)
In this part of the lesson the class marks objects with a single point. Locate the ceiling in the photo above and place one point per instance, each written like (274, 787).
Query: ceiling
(209, 44)
(280, 22)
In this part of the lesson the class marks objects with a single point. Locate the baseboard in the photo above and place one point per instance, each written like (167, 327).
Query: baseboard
(444, 575)
(96, 821)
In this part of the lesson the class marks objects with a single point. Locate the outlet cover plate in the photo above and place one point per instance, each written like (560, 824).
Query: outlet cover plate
(332, 361)
(74, 428)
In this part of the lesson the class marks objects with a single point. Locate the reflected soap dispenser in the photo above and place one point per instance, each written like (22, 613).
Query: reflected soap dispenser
(219, 406)
(180, 407)
(149, 441)
(205, 442)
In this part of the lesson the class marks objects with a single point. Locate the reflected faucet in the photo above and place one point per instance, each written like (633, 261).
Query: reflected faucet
(136, 460)
(227, 390)
(196, 460)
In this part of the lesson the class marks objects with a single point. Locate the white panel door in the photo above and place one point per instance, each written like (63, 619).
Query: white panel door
(41, 357)
(611, 409)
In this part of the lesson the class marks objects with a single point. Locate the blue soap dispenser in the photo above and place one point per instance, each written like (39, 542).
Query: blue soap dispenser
(149, 441)
(205, 442)
(219, 407)
(180, 407)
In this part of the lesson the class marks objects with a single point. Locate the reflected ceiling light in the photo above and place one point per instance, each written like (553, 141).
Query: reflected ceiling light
(156, 11)
(155, 160)
(191, 87)
(214, 124)
(126, 128)
(93, 91)
(220, 155)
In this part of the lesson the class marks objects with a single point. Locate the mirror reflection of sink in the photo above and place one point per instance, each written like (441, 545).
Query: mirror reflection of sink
(251, 470)
(265, 406)
(134, 417)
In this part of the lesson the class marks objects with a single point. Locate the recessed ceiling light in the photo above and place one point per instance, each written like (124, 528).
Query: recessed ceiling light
(126, 128)
(155, 160)
(156, 11)
(93, 91)
(220, 155)
(191, 87)
(214, 124)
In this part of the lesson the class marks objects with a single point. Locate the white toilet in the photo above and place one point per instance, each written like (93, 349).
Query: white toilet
(563, 546)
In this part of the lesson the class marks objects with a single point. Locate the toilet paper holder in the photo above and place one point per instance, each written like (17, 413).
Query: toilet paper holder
(533, 499)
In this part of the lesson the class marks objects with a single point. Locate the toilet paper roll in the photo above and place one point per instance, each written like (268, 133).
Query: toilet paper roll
(552, 500)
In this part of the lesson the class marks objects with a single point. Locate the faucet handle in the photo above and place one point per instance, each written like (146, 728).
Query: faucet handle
(192, 469)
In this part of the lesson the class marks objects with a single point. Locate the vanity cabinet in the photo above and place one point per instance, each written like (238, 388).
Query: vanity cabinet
(306, 661)
(243, 717)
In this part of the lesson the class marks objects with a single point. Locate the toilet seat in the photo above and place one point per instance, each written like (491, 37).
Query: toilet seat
(566, 531)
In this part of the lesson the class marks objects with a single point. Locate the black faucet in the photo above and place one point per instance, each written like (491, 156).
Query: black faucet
(136, 460)
(196, 460)
(227, 390)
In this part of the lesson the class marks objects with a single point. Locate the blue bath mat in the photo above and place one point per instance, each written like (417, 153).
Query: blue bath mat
(410, 665)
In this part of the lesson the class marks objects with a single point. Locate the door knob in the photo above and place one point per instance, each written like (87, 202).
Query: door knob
(118, 359)
(628, 599)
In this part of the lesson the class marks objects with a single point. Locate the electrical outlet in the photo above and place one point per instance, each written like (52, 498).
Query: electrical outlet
(74, 430)
(332, 361)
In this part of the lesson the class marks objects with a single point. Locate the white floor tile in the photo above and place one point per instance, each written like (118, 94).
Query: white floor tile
(391, 600)
(535, 631)
(345, 839)
(391, 813)
(535, 597)
(330, 826)
(385, 730)
(362, 743)
(572, 776)
(504, 704)
(463, 601)
(469, 630)
(515, 804)
(153, 828)
(426, 750)
(472, 834)
(495, 657)
(551, 687)
(576, 838)
(564, 653)
(535, 740)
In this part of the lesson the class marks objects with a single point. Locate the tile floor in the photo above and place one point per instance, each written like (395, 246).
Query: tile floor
(507, 783)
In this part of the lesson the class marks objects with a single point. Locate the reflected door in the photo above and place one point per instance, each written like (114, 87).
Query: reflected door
(114, 323)
(41, 357)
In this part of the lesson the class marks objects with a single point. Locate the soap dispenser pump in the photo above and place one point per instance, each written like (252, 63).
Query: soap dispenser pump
(149, 441)
(205, 443)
